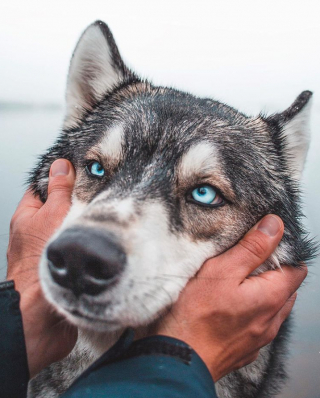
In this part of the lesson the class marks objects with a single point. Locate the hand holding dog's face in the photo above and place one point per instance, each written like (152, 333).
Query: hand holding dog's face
(220, 321)
(48, 336)
(225, 314)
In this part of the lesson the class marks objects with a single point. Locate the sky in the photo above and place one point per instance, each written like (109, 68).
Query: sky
(264, 51)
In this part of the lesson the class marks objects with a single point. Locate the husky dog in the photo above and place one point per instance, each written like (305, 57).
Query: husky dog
(165, 180)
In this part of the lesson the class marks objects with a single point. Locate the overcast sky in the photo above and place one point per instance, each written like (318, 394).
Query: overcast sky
(265, 52)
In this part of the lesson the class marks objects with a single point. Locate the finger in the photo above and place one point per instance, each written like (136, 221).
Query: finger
(251, 251)
(278, 319)
(61, 182)
(249, 358)
(282, 284)
(29, 202)
(287, 308)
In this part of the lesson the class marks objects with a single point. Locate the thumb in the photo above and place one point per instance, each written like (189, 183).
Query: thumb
(258, 244)
(61, 182)
(252, 250)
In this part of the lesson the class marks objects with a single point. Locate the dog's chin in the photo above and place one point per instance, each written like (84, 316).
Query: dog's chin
(90, 322)
(64, 303)
(100, 314)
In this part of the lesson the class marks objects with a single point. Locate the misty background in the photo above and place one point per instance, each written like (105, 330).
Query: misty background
(253, 55)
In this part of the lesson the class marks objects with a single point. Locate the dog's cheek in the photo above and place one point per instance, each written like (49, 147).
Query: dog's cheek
(158, 277)
(85, 188)
(45, 280)
(42, 188)
(222, 226)
(39, 183)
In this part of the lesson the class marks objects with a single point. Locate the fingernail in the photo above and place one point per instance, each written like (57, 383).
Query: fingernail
(60, 167)
(269, 225)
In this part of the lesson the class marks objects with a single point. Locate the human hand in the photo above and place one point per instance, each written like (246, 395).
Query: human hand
(48, 336)
(225, 314)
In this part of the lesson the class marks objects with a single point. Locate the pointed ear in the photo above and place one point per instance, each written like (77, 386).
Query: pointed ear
(95, 69)
(293, 125)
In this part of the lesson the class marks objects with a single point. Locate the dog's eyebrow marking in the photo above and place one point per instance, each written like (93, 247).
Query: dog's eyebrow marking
(202, 161)
(111, 144)
(199, 159)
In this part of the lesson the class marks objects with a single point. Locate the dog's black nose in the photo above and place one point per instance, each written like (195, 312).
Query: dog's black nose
(85, 260)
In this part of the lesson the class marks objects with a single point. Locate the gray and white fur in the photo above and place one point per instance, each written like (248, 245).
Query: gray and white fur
(135, 236)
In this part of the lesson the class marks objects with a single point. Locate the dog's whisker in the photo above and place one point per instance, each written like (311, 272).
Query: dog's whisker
(170, 307)
(144, 304)
(150, 294)
(172, 276)
(168, 277)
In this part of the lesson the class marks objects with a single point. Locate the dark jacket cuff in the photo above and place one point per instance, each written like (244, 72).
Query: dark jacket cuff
(157, 366)
(14, 372)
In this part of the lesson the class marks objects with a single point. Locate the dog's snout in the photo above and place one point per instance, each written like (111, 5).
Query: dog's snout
(85, 260)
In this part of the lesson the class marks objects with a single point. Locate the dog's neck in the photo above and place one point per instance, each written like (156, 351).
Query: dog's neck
(99, 342)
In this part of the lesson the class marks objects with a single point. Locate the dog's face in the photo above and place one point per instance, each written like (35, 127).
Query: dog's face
(165, 181)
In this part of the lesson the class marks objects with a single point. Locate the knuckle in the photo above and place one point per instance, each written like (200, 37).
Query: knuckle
(286, 311)
(254, 356)
(60, 185)
(249, 359)
(13, 222)
(254, 245)
(274, 302)
(272, 334)
(304, 270)
(291, 300)
(257, 331)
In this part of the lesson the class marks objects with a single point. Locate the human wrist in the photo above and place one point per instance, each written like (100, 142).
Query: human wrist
(49, 337)
(31, 306)
(186, 334)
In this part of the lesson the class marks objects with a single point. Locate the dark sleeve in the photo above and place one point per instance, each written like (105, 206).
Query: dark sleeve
(14, 372)
(157, 367)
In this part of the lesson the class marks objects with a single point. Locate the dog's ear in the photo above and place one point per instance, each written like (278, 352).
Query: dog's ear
(96, 68)
(293, 125)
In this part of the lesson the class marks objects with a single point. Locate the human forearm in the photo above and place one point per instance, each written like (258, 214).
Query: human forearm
(48, 337)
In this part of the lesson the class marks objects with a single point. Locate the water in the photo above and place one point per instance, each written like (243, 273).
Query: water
(25, 133)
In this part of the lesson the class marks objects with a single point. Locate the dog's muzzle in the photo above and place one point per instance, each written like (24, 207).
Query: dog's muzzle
(85, 260)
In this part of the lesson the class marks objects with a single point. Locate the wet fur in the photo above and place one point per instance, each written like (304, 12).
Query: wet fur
(254, 170)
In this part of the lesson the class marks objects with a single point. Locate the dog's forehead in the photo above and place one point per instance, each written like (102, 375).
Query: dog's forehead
(193, 155)
(111, 143)
(200, 158)
(162, 120)
(171, 130)
(148, 116)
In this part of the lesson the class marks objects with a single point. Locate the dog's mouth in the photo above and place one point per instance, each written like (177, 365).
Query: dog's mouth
(92, 322)
(79, 314)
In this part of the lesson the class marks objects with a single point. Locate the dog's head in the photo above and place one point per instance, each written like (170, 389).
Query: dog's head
(165, 180)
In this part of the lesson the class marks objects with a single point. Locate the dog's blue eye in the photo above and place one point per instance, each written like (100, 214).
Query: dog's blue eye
(204, 194)
(96, 169)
